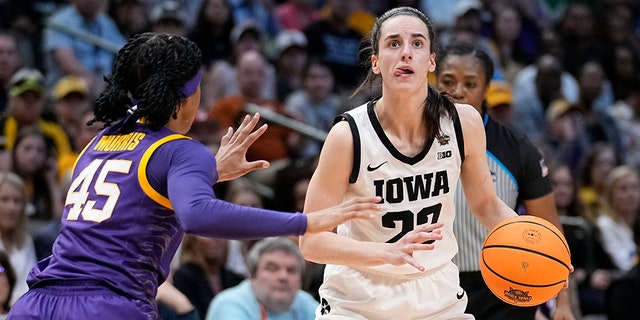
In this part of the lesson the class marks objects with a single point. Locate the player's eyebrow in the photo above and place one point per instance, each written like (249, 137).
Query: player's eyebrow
(397, 35)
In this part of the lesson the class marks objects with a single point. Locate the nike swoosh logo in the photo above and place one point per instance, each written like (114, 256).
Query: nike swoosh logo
(370, 168)
(460, 295)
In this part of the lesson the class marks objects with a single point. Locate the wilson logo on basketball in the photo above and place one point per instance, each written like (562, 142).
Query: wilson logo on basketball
(531, 236)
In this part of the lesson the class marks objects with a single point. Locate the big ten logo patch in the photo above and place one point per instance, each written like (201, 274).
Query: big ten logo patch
(444, 154)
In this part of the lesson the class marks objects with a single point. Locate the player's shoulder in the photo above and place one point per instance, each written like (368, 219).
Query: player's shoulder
(470, 118)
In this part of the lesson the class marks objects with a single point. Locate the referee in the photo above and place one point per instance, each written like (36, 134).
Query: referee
(519, 174)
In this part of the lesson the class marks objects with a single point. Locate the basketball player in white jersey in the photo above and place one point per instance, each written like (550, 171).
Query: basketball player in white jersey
(410, 147)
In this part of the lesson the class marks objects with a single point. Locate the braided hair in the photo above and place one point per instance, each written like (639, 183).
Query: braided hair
(148, 72)
(437, 104)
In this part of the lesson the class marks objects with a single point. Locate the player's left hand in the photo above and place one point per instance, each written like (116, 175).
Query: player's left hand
(231, 158)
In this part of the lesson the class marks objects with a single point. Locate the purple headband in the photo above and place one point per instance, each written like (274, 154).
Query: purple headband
(191, 86)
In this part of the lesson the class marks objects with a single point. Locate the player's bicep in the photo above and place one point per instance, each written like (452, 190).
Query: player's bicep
(475, 175)
(331, 177)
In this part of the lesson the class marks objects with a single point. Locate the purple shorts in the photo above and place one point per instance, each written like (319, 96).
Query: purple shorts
(82, 299)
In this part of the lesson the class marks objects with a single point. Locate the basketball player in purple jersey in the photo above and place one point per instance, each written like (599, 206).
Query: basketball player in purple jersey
(141, 184)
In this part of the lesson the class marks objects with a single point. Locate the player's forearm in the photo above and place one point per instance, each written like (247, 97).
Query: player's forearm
(492, 212)
(221, 219)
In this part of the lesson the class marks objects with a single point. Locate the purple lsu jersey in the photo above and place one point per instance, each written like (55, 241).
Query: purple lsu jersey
(116, 227)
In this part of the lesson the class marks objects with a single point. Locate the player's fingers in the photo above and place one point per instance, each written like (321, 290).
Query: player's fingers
(257, 165)
(421, 247)
(362, 208)
(242, 130)
(227, 137)
(359, 200)
(410, 260)
(427, 227)
(427, 236)
(253, 136)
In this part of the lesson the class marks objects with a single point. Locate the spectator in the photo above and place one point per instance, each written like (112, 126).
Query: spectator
(597, 124)
(202, 273)
(273, 290)
(32, 160)
(626, 114)
(332, 40)
(292, 56)
(500, 102)
(595, 165)
(529, 106)
(504, 41)
(243, 192)
(16, 241)
(7, 283)
(577, 33)
(622, 67)
(577, 231)
(212, 31)
(221, 80)
(169, 17)
(70, 101)
(173, 304)
(315, 104)
(26, 104)
(9, 63)
(69, 55)
(130, 16)
(259, 12)
(297, 14)
(593, 267)
(562, 139)
(624, 293)
(274, 144)
(621, 202)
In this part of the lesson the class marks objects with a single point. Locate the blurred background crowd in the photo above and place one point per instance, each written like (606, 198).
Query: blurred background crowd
(567, 76)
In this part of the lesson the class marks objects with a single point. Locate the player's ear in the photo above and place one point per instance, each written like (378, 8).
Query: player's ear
(374, 64)
(432, 62)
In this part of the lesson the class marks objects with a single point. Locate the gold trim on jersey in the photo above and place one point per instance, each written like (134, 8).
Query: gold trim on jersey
(142, 176)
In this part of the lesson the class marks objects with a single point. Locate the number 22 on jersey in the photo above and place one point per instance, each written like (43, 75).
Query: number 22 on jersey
(94, 176)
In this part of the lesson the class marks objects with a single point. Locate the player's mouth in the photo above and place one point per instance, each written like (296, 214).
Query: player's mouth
(403, 71)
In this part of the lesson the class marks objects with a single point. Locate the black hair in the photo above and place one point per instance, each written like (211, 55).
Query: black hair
(149, 69)
(41, 197)
(437, 104)
(466, 49)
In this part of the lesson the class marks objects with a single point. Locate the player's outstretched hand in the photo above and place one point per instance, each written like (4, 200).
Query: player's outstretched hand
(231, 157)
(329, 218)
(401, 252)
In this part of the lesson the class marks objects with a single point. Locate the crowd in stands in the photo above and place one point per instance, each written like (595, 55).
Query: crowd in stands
(567, 76)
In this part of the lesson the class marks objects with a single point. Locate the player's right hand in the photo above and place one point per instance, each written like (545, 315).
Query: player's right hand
(401, 252)
(231, 158)
(329, 218)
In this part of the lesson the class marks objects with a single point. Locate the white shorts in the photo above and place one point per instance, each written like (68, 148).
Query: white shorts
(347, 293)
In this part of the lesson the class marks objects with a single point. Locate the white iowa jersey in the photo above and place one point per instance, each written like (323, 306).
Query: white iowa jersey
(414, 190)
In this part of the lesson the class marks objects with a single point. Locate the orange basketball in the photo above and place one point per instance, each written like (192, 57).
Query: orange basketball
(525, 261)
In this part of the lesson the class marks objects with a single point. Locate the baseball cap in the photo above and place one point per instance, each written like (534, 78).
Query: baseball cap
(168, 10)
(290, 38)
(499, 93)
(558, 108)
(68, 85)
(240, 29)
(26, 79)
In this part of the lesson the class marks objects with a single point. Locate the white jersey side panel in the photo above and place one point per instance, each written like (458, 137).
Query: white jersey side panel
(415, 190)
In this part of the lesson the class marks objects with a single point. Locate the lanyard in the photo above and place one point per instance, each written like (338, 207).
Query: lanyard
(263, 313)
